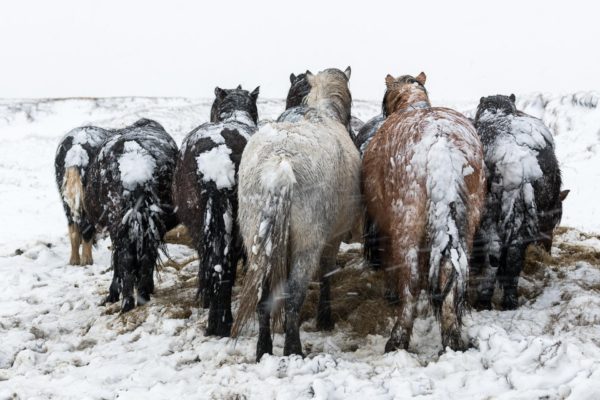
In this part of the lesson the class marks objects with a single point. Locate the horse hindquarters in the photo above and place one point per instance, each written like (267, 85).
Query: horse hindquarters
(267, 248)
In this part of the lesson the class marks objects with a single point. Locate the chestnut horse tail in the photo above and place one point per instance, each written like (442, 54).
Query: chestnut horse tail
(448, 264)
(268, 259)
(72, 192)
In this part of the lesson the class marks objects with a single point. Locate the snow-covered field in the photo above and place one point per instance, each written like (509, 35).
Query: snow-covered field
(57, 342)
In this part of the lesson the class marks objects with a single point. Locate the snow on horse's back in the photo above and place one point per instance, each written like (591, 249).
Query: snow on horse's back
(299, 196)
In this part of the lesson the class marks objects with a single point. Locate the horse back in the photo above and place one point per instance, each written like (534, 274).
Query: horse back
(115, 177)
(213, 143)
(415, 159)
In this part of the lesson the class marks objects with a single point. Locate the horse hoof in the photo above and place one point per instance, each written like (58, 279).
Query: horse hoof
(397, 344)
(111, 298)
(455, 342)
(128, 304)
(262, 350)
(325, 325)
(292, 349)
(482, 305)
(87, 261)
(509, 305)
(510, 302)
(74, 261)
(143, 297)
(219, 330)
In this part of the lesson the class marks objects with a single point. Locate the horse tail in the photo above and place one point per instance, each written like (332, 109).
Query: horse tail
(139, 239)
(519, 220)
(72, 192)
(448, 262)
(372, 249)
(268, 259)
(216, 247)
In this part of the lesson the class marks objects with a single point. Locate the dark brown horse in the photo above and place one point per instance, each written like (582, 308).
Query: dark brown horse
(205, 194)
(424, 187)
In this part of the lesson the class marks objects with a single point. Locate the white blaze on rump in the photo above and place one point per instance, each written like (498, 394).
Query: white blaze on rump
(215, 165)
(76, 157)
(136, 165)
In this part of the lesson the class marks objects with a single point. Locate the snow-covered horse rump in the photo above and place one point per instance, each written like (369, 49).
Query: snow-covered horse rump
(74, 155)
(299, 196)
(423, 184)
(205, 196)
(524, 200)
(128, 193)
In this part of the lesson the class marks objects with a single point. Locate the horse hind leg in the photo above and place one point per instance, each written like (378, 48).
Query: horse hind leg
(327, 264)
(450, 324)
(87, 235)
(408, 291)
(75, 237)
(402, 330)
(265, 342)
(508, 277)
(303, 267)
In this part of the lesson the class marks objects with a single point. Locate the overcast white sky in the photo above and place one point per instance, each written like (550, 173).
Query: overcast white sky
(63, 48)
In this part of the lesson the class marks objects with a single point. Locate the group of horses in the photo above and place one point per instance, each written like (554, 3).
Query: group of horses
(442, 203)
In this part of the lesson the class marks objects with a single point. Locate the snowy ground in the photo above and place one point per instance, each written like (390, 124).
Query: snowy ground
(57, 342)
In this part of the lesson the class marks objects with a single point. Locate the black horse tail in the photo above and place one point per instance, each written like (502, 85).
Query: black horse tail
(138, 240)
(218, 258)
(373, 244)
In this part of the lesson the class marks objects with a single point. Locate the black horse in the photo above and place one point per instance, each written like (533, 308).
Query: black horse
(205, 193)
(74, 155)
(524, 200)
(299, 89)
(128, 193)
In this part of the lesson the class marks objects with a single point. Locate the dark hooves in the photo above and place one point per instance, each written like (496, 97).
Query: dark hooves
(291, 349)
(325, 325)
(111, 298)
(128, 304)
(510, 303)
(483, 305)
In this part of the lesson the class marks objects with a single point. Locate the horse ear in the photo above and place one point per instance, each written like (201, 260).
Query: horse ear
(292, 77)
(389, 81)
(563, 195)
(254, 93)
(220, 93)
(239, 87)
(348, 72)
(481, 100)
(421, 78)
(512, 97)
(310, 78)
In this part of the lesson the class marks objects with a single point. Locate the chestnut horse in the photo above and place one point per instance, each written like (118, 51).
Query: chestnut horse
(424, 188)
(299, 197)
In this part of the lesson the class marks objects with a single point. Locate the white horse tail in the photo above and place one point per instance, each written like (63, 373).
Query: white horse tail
(268, 259)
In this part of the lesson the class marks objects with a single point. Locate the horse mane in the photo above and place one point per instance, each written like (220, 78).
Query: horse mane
(329, 91)
(393, 94)
(299, 89)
